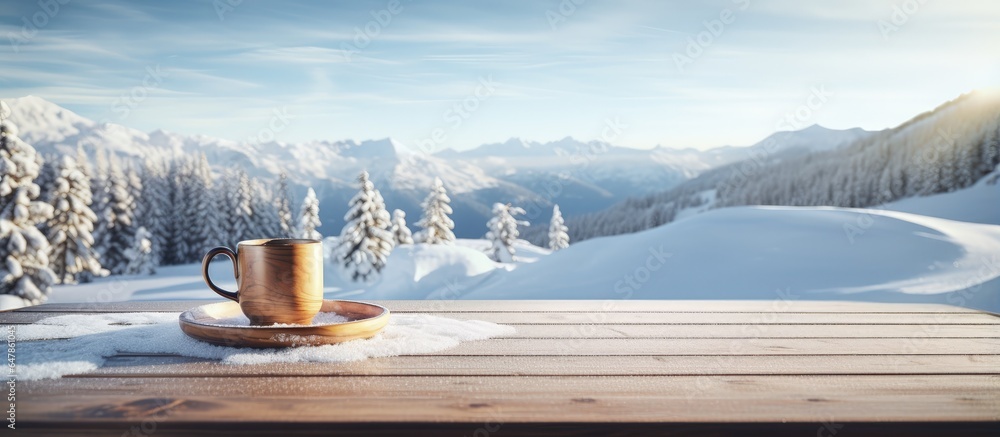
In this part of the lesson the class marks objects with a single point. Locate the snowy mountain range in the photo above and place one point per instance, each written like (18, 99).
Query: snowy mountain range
(581, 176)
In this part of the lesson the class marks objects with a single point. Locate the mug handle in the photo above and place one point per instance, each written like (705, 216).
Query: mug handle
(221, 250)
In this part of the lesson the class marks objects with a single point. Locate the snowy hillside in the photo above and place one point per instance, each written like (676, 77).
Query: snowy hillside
(979, 203)
(762, 252)
(771, 253)
(581, 177)
(940, 151)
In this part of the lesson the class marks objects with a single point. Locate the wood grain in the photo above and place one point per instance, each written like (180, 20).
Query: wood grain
(278, 280)
(186, 367)
(573, 368)
(594, 318)
(915, 398)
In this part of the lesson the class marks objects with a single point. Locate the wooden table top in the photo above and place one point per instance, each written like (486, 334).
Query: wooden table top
(574, 367)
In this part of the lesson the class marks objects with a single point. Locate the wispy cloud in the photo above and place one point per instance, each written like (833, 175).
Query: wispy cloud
(349, 73)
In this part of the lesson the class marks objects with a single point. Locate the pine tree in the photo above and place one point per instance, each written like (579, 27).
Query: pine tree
(119, 235)
(243, 218)
(503, 231)
(140, 255)
(989, 151)
(436, 223)
(174, 247)
(99, 199)
(309, 218)
(400, 233)
(225, 195)
(46, 182)
(558, 237)
(365, 242)
(266, 222)
(283, 199)
(24, 271)
(152, 204)
(46, 179)
(203, 219)
(71, 225)
(236, 198)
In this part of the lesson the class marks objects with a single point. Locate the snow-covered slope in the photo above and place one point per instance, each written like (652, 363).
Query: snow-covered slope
(939, 151)
(773, 253)
(979, 203)
(768, 252)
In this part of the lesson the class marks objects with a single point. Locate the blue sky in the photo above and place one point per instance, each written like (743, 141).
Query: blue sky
(556, 68)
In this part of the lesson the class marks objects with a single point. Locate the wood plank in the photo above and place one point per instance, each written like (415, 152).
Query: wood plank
(704, 331)
(730, 318)
(182, 367)
(643, 318)
(776, 305)
(533, 429)
(841, 398)
(699, 331)
(756, 331)
(752, 346)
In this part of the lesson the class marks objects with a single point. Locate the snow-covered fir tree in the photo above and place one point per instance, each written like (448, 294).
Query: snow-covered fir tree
(24, 263)
(46, 181)
(283, 198)
(140, 255)
(309, 217)
(176, 230)
(204, 224)
(266, 222)
(71, 225)
(436, 221)
(225, 194)
(99, 189)
(503, 231)
(558, 232)
(47, 175)
(400, 233)
(236, 199)
(365, 242)
(155, 204)
(134, 181)
(119, 235)
(243, 218)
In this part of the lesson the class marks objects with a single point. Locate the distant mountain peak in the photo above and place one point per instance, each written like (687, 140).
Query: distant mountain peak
(42, 120)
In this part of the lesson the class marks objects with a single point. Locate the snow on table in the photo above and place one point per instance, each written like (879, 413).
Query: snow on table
(629, 367)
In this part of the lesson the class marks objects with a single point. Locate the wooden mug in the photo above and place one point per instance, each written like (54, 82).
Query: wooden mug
(278, 280)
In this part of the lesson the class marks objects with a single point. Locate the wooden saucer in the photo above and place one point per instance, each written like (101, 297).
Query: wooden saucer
(205, 323)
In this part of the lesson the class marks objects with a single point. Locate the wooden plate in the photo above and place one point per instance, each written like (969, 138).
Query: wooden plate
(204, 323)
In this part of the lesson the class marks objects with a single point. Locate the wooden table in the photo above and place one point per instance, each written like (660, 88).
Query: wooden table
(574, 367)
